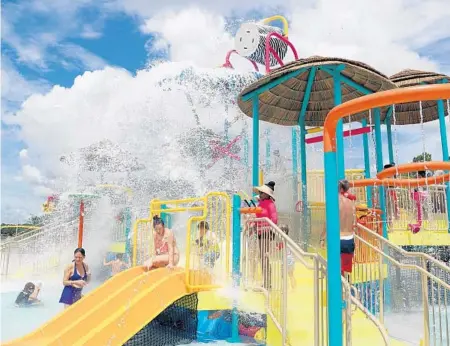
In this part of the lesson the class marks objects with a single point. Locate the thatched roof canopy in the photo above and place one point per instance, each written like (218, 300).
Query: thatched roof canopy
(409, 113)
(282, 103)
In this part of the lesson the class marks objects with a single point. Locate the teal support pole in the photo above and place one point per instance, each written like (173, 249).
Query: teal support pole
(295, 164)
(340, 126)
(255, 173)
(246, 161)
(334, 286)
(367, 164)
(381, 194)
(236, 266)
(304, 172)
(389, 138)
(127, 232)
(444, 144)
(379, 155)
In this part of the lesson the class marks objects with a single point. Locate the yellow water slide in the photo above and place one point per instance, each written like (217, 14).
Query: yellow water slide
(114, 312)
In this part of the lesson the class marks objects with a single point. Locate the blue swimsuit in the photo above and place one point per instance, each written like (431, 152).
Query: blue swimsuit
(72, 294)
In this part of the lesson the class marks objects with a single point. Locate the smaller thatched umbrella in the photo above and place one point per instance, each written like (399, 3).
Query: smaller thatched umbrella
(409, 113)
(282, 103)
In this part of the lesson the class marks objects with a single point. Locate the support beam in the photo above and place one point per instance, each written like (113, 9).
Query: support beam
(304, 175)
(272, 84)
(389, 138)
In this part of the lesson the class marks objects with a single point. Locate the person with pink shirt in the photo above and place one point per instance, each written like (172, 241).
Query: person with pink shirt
(265, 235)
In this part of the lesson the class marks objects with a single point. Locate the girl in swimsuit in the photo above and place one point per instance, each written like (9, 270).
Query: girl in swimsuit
(166, 251)
(76, 276)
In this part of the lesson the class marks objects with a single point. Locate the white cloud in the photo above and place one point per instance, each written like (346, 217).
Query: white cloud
(81, 58)
(31, 174)
(15, 88)
(23, 154)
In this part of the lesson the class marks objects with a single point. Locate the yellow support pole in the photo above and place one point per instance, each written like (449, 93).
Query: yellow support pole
(261, 177)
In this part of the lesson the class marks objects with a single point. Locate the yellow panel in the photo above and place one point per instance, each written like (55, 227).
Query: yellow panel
(117, 248)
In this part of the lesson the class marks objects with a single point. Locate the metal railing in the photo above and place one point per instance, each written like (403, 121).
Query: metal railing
(392, 282)
(268, 258)
(38, 252)
(207, 260)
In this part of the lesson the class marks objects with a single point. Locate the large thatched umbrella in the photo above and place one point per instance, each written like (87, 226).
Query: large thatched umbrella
(409, 113)
(282, 103)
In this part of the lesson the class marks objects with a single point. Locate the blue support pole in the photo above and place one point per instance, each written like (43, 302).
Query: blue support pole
(295, 163)
(389, 138)
(255, 172)
(334, 286)
(444, 144)
(236, 266)
(367, 164)
(340, 127)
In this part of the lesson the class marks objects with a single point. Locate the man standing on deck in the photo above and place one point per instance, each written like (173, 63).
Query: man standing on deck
(347, 217)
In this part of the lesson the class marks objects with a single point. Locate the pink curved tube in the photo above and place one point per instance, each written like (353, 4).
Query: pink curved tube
(276, 56)
(228, 64)
(418, 197)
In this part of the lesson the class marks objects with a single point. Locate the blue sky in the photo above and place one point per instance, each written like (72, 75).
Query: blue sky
(47, 43)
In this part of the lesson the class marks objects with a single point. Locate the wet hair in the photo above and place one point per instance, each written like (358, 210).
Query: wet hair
(344, 185)
(119, 256)
(157, 221)
(80, 250)
(271, 185)
(285, 229)
(204, 224)
(29, 287)
(422, 174)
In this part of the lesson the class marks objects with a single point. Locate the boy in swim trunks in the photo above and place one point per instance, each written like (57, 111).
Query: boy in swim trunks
(347, 214)
(116, 264)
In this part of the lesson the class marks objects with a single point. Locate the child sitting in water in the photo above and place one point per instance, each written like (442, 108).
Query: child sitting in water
(290, 259)
(116, 264)
(208, 244)
(29, 295)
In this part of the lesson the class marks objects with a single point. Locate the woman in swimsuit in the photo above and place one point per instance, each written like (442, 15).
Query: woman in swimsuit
(166, 251)
(76, 276)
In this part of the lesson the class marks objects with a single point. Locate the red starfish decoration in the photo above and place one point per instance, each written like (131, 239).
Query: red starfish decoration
(220, 152)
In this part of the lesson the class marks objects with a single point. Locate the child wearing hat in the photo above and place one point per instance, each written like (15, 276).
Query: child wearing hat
(265, 235)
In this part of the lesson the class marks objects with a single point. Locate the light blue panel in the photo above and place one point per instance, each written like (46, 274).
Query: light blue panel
(295, 163)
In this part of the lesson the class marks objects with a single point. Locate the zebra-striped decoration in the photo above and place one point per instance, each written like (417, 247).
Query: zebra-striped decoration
(250, 42)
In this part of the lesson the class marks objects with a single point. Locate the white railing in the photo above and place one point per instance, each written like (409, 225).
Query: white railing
(267, 262)
(403, 282)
